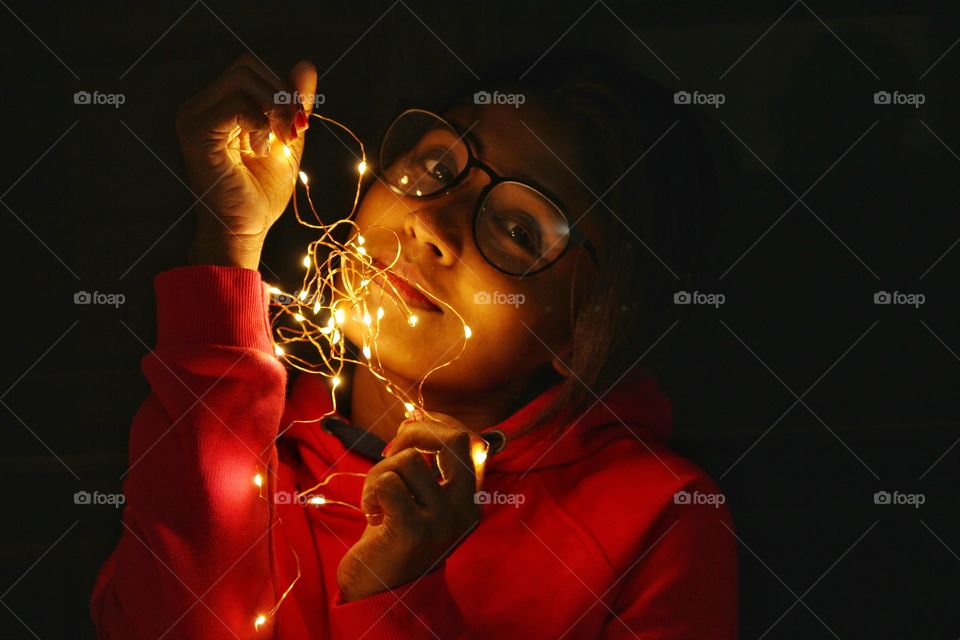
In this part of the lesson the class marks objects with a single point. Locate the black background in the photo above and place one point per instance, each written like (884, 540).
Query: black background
(93, 201)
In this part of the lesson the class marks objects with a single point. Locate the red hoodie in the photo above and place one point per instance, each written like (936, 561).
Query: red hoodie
(593, 529)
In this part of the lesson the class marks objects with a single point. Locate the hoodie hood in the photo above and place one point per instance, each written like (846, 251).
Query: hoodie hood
(635, 408)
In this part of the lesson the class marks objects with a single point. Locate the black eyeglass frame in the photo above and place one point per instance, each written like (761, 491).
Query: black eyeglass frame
(576, 236)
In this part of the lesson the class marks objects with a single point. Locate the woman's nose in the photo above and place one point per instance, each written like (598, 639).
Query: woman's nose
(440, 235)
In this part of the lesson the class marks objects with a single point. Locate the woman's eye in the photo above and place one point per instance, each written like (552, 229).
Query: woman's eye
(521, 235)
(438, 171)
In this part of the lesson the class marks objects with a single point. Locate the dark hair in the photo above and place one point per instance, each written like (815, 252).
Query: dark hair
(648, 159)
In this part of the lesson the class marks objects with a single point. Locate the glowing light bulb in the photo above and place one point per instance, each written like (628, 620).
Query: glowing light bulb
(258, 480)
(412, 320)
(479, 454)
(271, 137)
(362, 251)
(362, 167)
(303, 178)
(303, 295)
(338, 314)
(364, 282)
(366, 318)
(306, 261)
(419, 193)
(275, 290)
(261, 618)
(360, 239)
(286, 151)
(366, 352)
(336, 381)
(379, 313)
(298, 317)
(336, 336)
(467, 332)
(316, 307)
(408, 406)
(317, 500)
(404, 179)
(277, 349)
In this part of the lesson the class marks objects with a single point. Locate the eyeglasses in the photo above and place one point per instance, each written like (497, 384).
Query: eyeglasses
(517, 227)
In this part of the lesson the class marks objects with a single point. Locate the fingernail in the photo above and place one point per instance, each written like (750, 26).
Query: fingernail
(417, 414)
(300, 120)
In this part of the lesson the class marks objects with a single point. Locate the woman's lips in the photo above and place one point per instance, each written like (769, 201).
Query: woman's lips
(410, 295)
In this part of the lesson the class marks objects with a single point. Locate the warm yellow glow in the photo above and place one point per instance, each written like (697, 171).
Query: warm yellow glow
(479, 453)
(338, 314)
(408, 406)
(261, 618)
(366, 318)
(364, 282)
(412, 320)
(258, 480)
(362, 168)
(316, 307)
(336, 337)
(362, 251)
(275, 290)
(466, 331)
(317, 500)
(360, 239)
(379, 313)
(404, 179)
(306, 261)
(271, 137)
(286, 151)
(303, 295)
(366, 351)
(336, 381)
(298, 317)
(303, 178)
(277, 349)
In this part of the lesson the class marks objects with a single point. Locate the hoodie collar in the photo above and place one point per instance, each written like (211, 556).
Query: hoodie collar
(636, 405)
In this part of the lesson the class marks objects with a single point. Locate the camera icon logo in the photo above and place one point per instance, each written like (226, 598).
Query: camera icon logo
(682, 97)
(481, 297)
(681, 497)
(282, 97)
(283, 497)
(881, 497)
(81, 497)
(681, 297)
(881, 297)
(81, 97)
(82, 297)
(482, 497)
(881, 97)
(481, 97)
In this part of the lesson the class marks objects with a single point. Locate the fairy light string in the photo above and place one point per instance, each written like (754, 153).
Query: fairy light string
(336, 285)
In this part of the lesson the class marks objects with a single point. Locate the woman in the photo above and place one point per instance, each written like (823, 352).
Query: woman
(586, 526)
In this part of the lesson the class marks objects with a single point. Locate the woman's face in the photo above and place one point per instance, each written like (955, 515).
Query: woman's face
(517, 324)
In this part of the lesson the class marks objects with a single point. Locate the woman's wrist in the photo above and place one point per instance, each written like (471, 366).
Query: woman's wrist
(226, 251)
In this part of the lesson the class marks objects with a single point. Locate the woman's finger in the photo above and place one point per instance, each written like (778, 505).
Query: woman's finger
(235, 111)
(412, 469)
(387, 497)
(453, 449)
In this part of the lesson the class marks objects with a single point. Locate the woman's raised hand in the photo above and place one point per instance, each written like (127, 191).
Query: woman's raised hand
(242, 178)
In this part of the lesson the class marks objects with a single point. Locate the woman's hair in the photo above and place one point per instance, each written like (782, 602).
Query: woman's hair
(646, 160)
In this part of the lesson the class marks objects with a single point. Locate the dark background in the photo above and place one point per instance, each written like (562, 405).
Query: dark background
(92, 202)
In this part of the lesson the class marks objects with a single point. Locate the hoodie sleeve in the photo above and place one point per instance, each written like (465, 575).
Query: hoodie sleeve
(193, 559)
(684, 584)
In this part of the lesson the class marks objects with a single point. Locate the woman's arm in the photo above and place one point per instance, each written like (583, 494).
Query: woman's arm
(193, 559)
